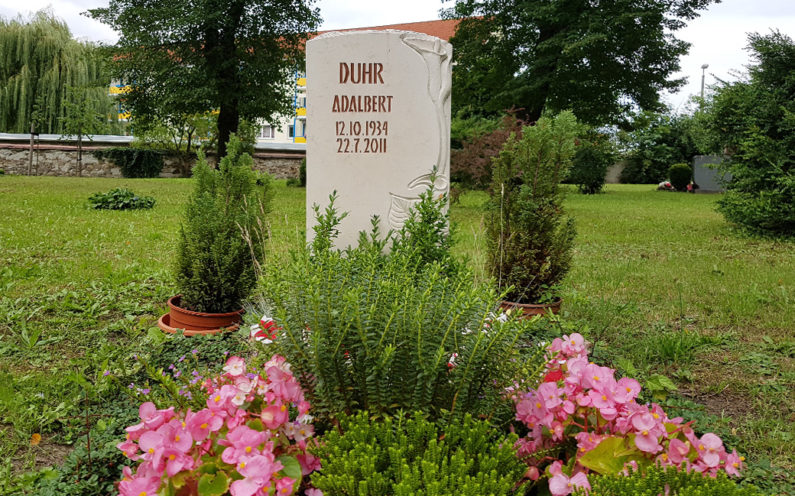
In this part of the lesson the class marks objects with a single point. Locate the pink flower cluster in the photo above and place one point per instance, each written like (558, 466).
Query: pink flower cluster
(252, 425)
(581, 400)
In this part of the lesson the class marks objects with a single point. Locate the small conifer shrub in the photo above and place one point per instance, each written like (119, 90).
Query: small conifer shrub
(222, 235)
(409, 456)
(669, 481)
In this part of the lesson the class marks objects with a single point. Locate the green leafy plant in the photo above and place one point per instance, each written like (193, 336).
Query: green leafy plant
(223, 233)
(668, 480)
(134, 162)
(300, 181)
(120, 199)
(408, 456)
(368, 330)
(595, 153)
(530, 239)
(680, 176)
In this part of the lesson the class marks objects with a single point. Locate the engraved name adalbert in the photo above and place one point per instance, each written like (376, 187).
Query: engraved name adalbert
(361, 73)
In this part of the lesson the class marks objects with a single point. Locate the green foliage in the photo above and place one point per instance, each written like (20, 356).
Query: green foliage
(595, 153)
(39, 61)
(426, 235)
(669, 480)
(680, 176)
(529, 237)
(657, 141)
(219, 57)
(300, 181)
(368, 330)
(553, 56)
(134, 162)
(120, 199)
(222, 236)
(755, 121)
(411, 456)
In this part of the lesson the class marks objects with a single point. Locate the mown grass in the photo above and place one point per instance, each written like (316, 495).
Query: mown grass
(660, 283)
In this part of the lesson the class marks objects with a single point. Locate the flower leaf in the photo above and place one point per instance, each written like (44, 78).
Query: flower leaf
(213, 485)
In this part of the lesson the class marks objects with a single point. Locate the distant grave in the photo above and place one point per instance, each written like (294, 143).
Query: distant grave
(378, 107)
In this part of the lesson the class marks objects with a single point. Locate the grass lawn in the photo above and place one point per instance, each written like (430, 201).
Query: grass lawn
(660, 283)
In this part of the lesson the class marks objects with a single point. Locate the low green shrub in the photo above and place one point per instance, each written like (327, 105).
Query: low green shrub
(134, 162)
(120, 199)
(404, 457)
(680, 176)
(367, 330)
(669, 481)
(300, 181)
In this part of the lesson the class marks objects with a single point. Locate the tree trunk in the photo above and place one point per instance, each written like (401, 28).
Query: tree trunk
(80, 154)
(30, 155)
(228, 120)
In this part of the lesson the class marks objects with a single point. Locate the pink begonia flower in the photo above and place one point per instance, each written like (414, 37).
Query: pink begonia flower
(549, 393)
(140, 486)
(561, 485)
(176, 461)
(677, 451)
(258, 471)
(284, 485)
(573, 345)
(314, 492)
(151, 417)
(221, 399)
(242, 441)
(274, 416)
(309, 463)
(152, 445)
(626, 390)
(235, 366)
(202, 423)
(129, 448)
(597, 377)
(576, 367)
(284, 385)
(734, 463)
(710, 449)
(177, 435)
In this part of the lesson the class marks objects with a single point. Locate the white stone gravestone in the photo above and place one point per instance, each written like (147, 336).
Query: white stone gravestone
(378, 109)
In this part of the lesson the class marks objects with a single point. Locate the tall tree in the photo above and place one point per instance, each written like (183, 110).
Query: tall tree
(184, 57)
(754, 120)
(599, 58)
(39, 61)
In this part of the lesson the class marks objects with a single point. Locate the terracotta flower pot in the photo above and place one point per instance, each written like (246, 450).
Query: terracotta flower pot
(197, 322)
(528, 310)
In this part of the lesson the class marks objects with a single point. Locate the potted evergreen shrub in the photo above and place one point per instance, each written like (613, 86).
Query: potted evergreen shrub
(220, 244)
(529, 236)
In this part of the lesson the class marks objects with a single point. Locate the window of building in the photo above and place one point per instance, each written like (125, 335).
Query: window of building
(291, 131)
(267, 132)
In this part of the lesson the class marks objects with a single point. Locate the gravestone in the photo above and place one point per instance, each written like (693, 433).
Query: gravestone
(378, 107)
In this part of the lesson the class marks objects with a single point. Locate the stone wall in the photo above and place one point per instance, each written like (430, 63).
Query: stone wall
(59, 160)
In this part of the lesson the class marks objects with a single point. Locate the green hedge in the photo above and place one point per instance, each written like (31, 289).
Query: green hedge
(134, 162)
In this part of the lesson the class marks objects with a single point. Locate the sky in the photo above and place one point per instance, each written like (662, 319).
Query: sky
(718, 36)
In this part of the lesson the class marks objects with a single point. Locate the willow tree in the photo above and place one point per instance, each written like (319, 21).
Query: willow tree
(39, 62)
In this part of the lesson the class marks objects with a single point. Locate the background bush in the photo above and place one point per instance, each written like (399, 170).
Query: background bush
(120, 199)
(470, 165)
(680, 176)
(755, 121)
(657, 141)
(134, 162)
(595, 153)
(406, 457)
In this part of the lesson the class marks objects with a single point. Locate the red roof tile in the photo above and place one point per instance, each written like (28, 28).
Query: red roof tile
(443, 29)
